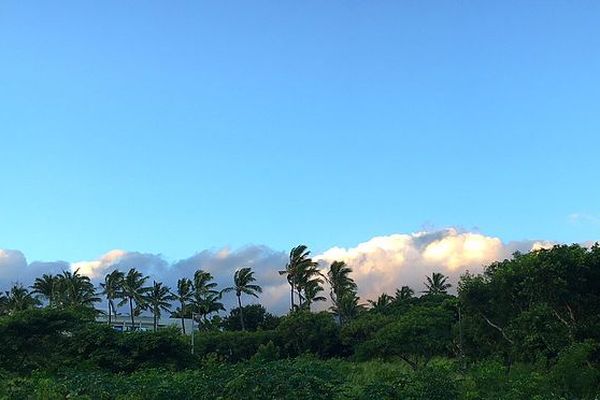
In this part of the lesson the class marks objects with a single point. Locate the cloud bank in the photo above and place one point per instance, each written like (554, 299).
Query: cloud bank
(380, 264)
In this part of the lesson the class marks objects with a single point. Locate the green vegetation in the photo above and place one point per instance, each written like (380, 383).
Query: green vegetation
(527, 328)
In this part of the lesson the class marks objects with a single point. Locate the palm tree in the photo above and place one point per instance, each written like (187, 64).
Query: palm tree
(184, 295)
(46, 287)
(347, 307)
(242, 283)
(3, 304)
(437, 284)
(159, 299)
(404, 293)
(208, 304)
(341, 284)
(382, 303)
(111, 287)
(206, 297)
(76, 290)
(299, 265)
(312, 288)
(134, 292)
(19, 299)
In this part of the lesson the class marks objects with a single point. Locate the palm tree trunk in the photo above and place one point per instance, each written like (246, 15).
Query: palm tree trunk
(182, 318)
(109, 312)
(155, 323)
(241, 312)
(131, 313)
(291, 296)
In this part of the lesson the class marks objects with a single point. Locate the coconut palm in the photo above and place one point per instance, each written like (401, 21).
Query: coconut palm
(184, 295)
(347, 307)
(19, 299)
(159, 299)
(203, 284)
(134, 292)
(208, 304)
(312, 290)
(45, 287)
(437, 284)
(341, 284)
(382, 303)
(75, 290)
(242, 283)
(111, 288)
(404, 293)
(299, 265)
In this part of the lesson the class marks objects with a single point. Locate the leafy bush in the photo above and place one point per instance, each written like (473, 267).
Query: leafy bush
(231, 346)
(306, 332)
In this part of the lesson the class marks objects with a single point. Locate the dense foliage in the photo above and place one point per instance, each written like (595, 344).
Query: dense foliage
(527, 328)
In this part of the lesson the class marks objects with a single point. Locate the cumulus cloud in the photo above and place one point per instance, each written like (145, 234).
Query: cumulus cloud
(380, 264)
(385, 263)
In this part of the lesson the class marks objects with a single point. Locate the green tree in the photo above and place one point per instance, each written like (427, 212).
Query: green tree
(75, 290)
(437, 283)
(18, 298)
(134, 292)
(404, 293)
(111, 287)
(185, 295)
(347, 307)
(45, 287)
(382, 303)
(312, 290)
(297, 270)
(243, 280)
(159, 299)
(342, 290)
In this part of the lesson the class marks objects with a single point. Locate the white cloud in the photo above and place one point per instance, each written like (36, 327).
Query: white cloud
(385, 263)
(380, 264)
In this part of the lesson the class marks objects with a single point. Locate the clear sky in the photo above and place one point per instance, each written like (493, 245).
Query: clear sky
(174, 126)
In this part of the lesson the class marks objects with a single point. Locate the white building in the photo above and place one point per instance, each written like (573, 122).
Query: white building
(122, 323)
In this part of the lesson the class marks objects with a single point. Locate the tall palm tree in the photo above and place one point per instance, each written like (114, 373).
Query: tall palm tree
(206, 296)
(76, 290)
(300, 264)
(134, 292)
(341, 284)
(3, 304)
(312, 290)
(19, 299)
(437, 284)
(242, 283)
(159, 299)
(347, 307)
(45, 287)
(184, 295)
(208, 304)
(111, 287)
(382, 303)
(404, 293)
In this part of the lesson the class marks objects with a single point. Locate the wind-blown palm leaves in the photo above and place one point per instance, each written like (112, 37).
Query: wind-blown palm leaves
(18, 298)
(76, 290)
(184, 294)
(404, 293)
(205, 295)
(68, 289)
(134, 292)
(382, 303)
(437, 284)
(242, 283)
(111, 289)
(45, 287)
(159, 299)
(312, 290)
(343, 291)
(299, 270)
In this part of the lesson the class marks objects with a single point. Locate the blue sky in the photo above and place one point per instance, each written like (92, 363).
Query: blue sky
(171, 127)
